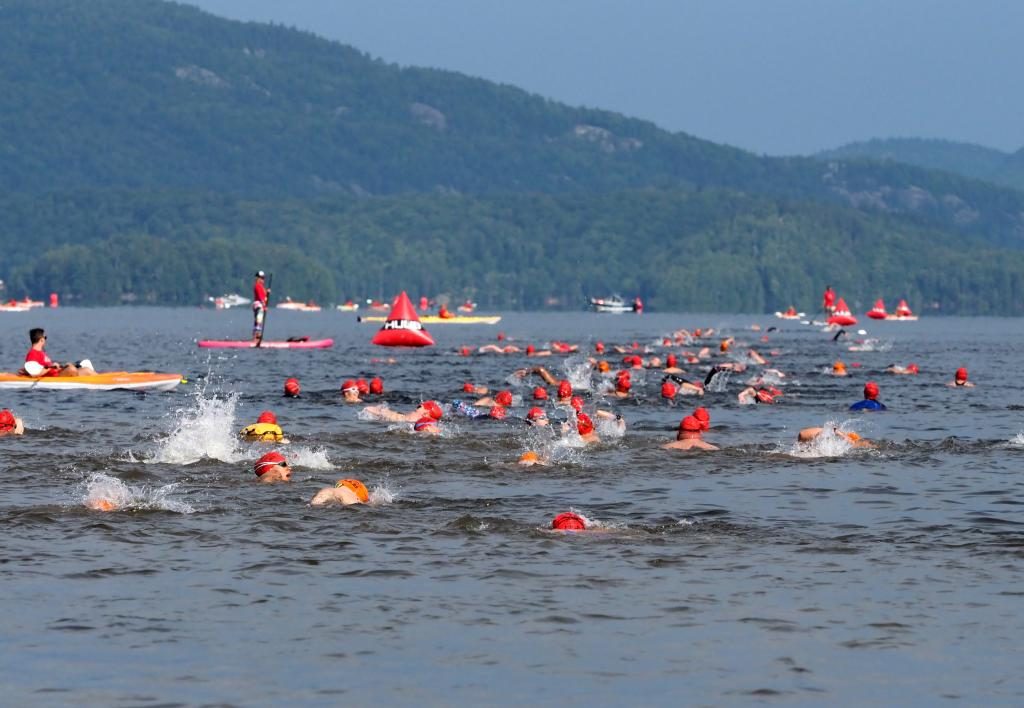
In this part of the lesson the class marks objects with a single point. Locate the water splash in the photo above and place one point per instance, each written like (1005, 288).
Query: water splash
(204, 430)
(106, 493)
(1017, 439)
(577, 371)
(831, 442)
(382, 494)
(314, 458)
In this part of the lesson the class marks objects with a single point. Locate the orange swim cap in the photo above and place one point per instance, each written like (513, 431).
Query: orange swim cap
(356, 486)
(102, 505)
(529, 456)
(603, 366)
(853, 437)
(267, 417)
(839, 366)
(568, 521)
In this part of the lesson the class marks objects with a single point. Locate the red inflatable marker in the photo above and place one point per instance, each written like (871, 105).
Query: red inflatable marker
(403, 328)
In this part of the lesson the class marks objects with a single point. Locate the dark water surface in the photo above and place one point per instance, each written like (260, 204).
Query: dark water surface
(762, 573)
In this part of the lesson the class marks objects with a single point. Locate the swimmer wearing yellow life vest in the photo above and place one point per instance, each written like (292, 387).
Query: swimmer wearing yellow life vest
(345, 492)
(265, 429)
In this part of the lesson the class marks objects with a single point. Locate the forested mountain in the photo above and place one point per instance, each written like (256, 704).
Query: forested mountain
(964, 159)
(151, 152)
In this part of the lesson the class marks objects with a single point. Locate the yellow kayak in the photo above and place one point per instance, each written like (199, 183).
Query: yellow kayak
(133, 380)
(434, 319)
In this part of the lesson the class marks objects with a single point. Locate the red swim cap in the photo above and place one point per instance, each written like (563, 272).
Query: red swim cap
(564, 389)
(376, 386)
(540, 394)
(501, 336)
(364, 388)
(584, 425)
(622, 384)
(669, 390)
(349, 385)
(468, 387)
(6, 419)
(690, 424)
(267, 417)
(503, 398)
(671, 360)
(961, 374)
(432, 409)
(568, 521)
(577, 403)
(423, 423)
(464, 351)
(530, 349)
(666, 342)
(704, 417)
(870, 390)
(599, 347)
(764, 396)
(267, 462)
(912, 368)
(291, 387)
(497, 412)
(536, 413)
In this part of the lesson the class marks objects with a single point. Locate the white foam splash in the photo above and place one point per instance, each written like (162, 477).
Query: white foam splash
(206, 430)
(831, 442)
(577, 371)
(314, 458)
(1017, 439)
(382, 494)
(111, 494)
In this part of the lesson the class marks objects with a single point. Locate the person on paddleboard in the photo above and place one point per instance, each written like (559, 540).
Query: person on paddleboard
(260, 300)
(10, 424)
(38, 363)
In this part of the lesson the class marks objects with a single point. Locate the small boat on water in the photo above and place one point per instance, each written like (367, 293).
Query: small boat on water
(296, 343)
(903, 313)
(878, 311)
(614, 304)
(377, 306)
(290, 304)
(790, 314)
(14, 306)
(467, 307)
(349, 306)
(109, 381)
(225, 302)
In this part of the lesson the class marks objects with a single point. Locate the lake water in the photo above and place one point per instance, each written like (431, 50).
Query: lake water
(762, 573)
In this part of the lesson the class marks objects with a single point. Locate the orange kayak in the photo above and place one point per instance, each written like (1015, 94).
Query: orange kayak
(133, 380)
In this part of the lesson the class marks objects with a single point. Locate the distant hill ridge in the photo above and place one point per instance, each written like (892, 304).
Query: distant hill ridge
(960, 158)
(145, 146)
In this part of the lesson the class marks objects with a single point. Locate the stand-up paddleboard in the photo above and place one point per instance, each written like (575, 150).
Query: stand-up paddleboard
(131, 380)
(266, 344)
(434, 319)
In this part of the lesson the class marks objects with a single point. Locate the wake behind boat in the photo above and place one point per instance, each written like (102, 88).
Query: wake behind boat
(111, 380)
(296, 343)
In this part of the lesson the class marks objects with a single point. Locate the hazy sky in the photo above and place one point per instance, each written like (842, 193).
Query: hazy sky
(772, 76)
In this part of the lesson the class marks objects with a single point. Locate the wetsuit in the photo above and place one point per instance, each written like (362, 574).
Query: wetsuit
(868, 404)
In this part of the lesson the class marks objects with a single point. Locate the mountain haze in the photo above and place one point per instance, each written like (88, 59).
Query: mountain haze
(180, 141)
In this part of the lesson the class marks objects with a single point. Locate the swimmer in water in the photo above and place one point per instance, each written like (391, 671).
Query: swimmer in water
(960, 379)
(908, 370)
(839, 369)
(427, 409)
(585, 428)
(272, 468)
(10, 424)
(426, 426)
(530, 459)
(568, 521)
(870, 402)
(810, 434)
(476, 390)
(751, 395)
(350, 392)
(292, 389)
(686, 388)
(501, 398)
(265, 429)
(345, 492)
(536, 417)
(689, 436)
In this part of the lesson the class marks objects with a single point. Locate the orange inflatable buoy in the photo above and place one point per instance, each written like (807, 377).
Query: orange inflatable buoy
(402, 328)
(878, 311)
(842, 315)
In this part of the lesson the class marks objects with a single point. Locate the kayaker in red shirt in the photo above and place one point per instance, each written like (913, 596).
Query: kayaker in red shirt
(38, 364)
(260, 299)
